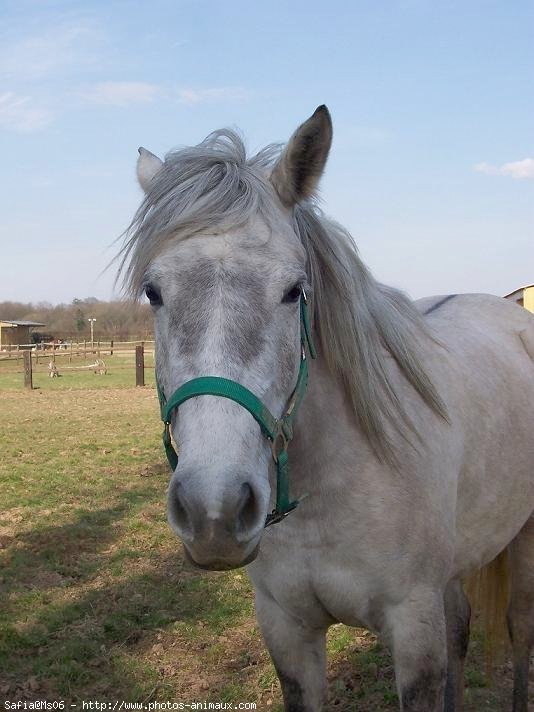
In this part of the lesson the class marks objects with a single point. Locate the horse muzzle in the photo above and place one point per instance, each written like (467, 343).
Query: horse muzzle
(221, 534)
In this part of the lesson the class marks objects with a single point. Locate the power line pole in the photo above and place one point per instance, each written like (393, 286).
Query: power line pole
(92, 322)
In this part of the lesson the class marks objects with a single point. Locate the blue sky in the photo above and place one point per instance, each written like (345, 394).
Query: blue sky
(432, 167)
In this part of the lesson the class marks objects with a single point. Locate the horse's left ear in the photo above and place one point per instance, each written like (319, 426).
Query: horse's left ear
(297, 173)
(147, 166)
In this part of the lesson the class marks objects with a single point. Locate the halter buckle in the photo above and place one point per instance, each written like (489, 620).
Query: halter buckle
(275, 516)
(167, 431)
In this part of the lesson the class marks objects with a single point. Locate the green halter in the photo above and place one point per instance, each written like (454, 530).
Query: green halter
(278, 431)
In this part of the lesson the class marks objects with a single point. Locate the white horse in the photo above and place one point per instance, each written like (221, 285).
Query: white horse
(414, 442)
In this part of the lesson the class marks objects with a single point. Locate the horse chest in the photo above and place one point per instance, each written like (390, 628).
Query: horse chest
(317, 589)
(346, 596)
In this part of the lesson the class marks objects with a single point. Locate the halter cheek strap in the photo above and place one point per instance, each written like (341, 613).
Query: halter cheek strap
(278, 431)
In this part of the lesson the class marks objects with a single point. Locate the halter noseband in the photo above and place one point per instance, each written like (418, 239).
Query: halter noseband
(278, 431)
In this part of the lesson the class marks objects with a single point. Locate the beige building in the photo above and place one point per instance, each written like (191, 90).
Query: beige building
(524, 296)
(15, 332)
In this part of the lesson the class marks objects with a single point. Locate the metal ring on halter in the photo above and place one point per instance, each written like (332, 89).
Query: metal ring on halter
(279, 444)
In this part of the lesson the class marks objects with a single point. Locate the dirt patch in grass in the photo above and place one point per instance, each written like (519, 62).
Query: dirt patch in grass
(96, 599)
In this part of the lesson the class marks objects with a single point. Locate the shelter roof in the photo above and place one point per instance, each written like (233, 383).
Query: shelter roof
(519, 289)
(20, 322)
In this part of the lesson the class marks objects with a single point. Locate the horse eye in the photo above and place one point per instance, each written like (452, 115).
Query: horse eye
(153, 296)
(293, 295)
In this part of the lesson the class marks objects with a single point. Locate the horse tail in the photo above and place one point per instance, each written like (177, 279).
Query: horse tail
(488, 591)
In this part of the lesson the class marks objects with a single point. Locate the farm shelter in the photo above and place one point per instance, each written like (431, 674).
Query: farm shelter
(15, 332)
(524, 296)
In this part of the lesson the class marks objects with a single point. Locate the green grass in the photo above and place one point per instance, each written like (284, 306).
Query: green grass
(96, 600)
(91, 576)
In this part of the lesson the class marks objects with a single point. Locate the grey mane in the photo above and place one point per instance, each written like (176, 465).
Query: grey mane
(357, 320)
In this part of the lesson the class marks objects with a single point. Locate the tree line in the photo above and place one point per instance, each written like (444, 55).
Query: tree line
(119, 320)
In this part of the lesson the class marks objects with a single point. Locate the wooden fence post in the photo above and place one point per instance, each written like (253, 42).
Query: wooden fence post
(28, 380)
(140, 365)
(84, 349)
(111, 347)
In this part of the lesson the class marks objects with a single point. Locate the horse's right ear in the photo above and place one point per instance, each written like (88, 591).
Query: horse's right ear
(297, 173)
(147, 166)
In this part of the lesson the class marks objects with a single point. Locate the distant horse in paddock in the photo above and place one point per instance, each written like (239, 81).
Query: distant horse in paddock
(414, 442)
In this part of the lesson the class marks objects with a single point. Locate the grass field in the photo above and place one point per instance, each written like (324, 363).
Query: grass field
(96, 601)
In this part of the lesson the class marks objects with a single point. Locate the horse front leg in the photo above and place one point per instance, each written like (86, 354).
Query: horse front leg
(417, 634)
(298, 653)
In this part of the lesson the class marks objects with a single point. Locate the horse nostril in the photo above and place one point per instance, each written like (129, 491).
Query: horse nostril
(248, 510)
(178, 512)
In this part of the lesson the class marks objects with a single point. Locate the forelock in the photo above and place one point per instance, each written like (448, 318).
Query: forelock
(211, 186)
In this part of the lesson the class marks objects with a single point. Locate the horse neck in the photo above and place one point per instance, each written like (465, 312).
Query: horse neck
(326, 433)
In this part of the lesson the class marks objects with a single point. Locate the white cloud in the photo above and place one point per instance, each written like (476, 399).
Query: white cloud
(123, 93)
(515, 169)
(17, 113)
(191, 97)
(65, 47)
(36, 57)
(127, 93)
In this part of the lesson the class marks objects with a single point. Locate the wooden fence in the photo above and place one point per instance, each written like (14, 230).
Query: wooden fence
(69, 350)
(25, 358)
